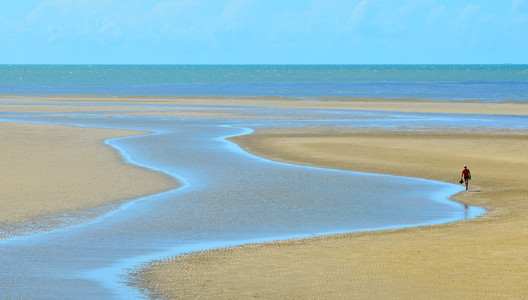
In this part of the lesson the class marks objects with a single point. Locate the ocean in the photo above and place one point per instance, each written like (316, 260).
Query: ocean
(493, 83)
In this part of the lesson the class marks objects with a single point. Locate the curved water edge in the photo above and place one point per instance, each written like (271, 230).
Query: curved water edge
(113, 277)
(72, 219)
(195, 170)
(116, 276)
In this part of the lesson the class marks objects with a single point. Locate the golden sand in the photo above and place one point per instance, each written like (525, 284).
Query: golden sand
(484, 258)
(48, 169)
(52, 169)
(19, 103)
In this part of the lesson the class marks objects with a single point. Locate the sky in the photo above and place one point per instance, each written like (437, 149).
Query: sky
(263, 32)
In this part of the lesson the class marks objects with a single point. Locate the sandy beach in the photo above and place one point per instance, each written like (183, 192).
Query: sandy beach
(51, 169)
(46, 103)
(482, 258)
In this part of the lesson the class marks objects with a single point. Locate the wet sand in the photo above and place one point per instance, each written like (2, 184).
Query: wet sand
(52, 169)
(482, 258)
(18, 103)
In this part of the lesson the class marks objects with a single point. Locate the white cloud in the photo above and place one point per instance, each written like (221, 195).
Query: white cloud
(233, 13)
(359, 11)
(173, 8)
(517, 5)
(62, 19)
(193, 25)
(34, 15)
(110, 28)
(469, 11)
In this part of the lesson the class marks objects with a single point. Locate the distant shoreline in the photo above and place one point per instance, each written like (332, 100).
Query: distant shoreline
(15, 102)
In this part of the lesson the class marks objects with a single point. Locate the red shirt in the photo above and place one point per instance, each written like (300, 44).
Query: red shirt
(466, 173)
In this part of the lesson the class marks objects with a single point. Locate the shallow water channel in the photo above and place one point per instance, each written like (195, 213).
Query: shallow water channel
(228, 197)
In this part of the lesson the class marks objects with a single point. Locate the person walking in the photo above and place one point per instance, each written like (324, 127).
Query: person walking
(466, 174)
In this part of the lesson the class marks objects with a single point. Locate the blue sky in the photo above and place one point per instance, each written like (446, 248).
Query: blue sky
(264, 31)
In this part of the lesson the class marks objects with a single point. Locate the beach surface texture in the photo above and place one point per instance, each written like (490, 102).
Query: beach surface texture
(483, 258)
(57, 169)
(54, 170)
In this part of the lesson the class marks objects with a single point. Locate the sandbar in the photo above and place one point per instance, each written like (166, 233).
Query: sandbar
(13, 103)
(483, 258)
(49, 170)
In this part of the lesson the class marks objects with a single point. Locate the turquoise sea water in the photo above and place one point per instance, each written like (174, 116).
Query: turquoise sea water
(445, 82)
